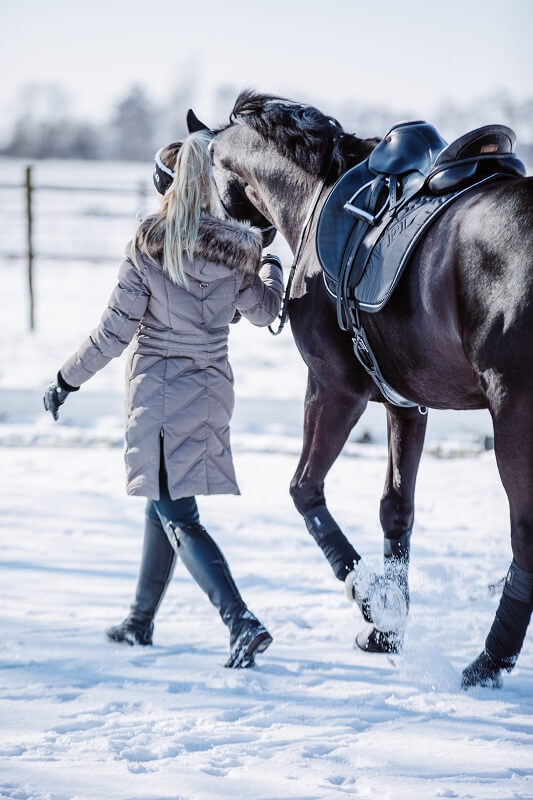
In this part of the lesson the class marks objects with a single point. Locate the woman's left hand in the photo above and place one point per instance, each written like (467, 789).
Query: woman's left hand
(54, 397)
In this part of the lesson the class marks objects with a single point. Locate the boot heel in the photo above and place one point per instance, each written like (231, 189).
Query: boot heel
(254, 639)
(265, 640)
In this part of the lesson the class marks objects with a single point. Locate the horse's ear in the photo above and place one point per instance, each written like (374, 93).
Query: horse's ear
(194, 124)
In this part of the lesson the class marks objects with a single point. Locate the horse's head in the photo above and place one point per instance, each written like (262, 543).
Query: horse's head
(273, 154)
(232, 188)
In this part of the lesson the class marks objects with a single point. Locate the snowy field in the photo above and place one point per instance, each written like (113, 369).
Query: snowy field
(82, 719)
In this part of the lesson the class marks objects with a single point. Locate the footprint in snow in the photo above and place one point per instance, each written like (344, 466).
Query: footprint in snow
(78, 725)
(137, 754)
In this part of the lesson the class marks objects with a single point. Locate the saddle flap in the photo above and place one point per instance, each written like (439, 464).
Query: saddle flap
(335, 227)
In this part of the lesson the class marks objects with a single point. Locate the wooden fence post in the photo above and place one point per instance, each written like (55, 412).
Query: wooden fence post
(29, 233)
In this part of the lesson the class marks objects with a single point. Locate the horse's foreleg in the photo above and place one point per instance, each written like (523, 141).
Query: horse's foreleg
(329, 417)
(513, 444)
(406, 429)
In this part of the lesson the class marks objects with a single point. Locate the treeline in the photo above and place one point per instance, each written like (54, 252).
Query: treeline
(45, 127)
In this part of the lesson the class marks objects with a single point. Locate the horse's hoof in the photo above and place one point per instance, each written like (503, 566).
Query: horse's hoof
(483, 671)
(373, 641)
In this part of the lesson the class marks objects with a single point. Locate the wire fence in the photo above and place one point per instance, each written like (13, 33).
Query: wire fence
(66, 222)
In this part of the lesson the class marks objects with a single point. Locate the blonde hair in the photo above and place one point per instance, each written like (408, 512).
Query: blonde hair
(170, 234)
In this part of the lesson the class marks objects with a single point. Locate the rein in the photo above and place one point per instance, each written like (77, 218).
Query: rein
(284, 313)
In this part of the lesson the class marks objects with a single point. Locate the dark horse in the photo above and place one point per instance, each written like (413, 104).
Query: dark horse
(457, 334)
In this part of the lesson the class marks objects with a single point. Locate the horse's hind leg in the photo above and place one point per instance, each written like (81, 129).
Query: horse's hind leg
(330, 414)
(513, 444)
(406, 429)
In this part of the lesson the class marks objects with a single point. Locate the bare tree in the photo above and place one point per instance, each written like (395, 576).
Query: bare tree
(132, 127)
(44, 127)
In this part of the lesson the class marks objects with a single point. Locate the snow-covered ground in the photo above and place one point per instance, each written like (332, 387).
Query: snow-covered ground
(315, 720)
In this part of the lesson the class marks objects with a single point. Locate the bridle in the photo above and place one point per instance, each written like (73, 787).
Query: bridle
(302, 239)
(284, 311)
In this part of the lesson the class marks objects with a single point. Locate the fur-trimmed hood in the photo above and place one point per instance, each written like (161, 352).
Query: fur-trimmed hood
(228, 243)
(237, 245)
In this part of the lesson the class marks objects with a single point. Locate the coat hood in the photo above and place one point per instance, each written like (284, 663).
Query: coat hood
(237, 245)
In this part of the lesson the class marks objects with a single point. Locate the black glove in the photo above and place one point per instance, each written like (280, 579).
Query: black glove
(270, 259)
(55, 395)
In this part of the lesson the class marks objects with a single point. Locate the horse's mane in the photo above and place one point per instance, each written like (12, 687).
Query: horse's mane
(301, 132)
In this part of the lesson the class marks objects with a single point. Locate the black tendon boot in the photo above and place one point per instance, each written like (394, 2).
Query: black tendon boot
(339, 552)
(207, 565)
(157, 565)
(506, 636)
(384, 600)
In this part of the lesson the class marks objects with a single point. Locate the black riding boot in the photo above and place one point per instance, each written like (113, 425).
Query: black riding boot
(157, 565)
(207, 565)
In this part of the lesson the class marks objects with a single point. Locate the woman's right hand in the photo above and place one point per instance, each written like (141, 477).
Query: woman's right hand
(268, 258)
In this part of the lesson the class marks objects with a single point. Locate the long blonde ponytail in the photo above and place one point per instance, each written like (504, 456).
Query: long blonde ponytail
(170, 235)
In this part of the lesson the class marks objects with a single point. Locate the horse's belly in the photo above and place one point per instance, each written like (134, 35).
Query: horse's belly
(422, 357)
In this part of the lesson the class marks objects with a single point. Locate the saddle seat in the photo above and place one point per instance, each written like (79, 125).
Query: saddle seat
(490, 147)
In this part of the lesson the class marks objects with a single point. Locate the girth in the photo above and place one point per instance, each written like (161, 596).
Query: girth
(378, 211)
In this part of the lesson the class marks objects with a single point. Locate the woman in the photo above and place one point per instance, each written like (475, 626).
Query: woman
(186, 275)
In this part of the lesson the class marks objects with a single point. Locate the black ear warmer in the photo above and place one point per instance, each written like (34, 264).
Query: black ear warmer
(163, 176)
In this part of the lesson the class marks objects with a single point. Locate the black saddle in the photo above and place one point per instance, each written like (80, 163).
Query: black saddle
(377, 212)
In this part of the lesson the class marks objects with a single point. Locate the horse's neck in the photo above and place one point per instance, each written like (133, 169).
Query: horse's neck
(286, 191)
(288, 203)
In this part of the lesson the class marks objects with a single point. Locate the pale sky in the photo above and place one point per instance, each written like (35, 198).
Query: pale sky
(407, 53)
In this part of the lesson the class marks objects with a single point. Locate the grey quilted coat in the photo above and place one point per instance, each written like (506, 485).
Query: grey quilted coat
(179, 387)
